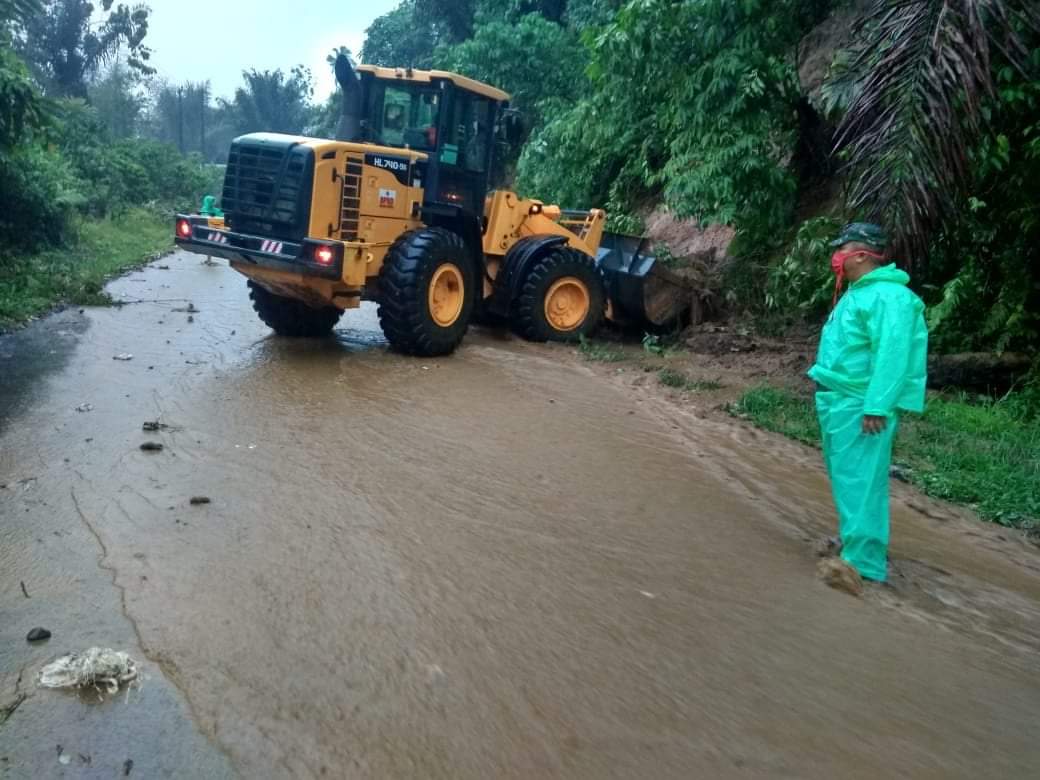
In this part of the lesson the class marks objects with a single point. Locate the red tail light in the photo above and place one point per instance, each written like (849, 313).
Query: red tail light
(324, 255)
(184, 228)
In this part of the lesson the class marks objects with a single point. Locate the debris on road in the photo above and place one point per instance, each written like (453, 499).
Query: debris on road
(123, 356)
(38, 635)
(24, 591)
(85, 408)
(93, 667)
(190, 308)
(151, 446)
(190, 318)
(153, 425)
(128, 767)
(196, 500)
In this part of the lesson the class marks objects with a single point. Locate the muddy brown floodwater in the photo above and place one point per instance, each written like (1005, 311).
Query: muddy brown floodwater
(497, 564)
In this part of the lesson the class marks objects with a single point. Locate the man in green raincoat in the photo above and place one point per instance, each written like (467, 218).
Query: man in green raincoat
(871, 365)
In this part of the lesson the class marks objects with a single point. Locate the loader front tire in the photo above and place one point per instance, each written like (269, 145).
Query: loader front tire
(290, 317)
(426, 292)
(561, 299)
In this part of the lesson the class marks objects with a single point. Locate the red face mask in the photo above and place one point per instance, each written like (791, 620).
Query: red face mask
(838, 266)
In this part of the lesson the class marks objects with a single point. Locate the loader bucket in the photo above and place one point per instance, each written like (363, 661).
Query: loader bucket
(641, 290)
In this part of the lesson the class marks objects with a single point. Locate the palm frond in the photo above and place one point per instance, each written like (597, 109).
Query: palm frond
(19, 10)
(922, 73)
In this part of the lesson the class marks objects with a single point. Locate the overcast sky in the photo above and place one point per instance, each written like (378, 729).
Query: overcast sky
(216, 40)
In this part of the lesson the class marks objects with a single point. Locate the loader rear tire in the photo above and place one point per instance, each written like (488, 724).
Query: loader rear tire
(561, 299)
(290, 317)
(426, 292)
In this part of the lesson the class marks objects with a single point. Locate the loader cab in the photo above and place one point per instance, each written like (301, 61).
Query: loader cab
(451, 118)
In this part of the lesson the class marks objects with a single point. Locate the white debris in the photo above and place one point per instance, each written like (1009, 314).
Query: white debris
(84, 407)
(123, 356)
(96, 667)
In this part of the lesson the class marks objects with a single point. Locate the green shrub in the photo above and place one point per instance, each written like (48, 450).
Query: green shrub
(802, 281)
(131, 172)
(39, 195)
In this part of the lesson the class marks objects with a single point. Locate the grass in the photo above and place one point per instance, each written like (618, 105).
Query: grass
(978, 452)
(669, 377)
(600, 352)
(77, 273)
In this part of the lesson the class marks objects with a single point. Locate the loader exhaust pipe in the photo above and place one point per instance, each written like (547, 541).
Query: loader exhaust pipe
(349, 128)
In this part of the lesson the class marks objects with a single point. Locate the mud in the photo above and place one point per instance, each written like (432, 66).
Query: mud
(494, 564)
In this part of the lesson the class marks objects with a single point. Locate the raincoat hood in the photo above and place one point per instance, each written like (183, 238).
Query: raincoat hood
(886, 273)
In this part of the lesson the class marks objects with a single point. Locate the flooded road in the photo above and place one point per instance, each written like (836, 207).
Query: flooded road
(497, 564)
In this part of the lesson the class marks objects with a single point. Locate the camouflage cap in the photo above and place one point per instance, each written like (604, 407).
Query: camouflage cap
(863, 233)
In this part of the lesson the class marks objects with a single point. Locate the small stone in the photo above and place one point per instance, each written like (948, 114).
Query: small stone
(828, 547)
(900, 473)
(152, 425)
(84, 407)
(123, 356)
(190, 318)
(38, 635)
(151, 446)
(196, 500)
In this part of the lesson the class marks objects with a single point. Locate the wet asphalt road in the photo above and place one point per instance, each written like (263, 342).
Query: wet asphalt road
(494, 564)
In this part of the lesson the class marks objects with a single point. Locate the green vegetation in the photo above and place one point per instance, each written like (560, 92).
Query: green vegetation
(95, 155)
(600, 352)
(669, 377)
(973, 451)
(929, 109)
(779, 411)
(76, 272)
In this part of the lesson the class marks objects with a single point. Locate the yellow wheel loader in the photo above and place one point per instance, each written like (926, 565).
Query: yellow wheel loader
(399, 210)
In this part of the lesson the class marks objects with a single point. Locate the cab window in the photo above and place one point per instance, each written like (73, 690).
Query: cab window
(467, 134)
(403, 116)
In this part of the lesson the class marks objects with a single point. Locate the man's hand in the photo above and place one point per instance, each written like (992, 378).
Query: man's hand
(873, 424)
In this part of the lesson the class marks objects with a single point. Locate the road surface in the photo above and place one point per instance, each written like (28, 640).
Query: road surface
(499, 564)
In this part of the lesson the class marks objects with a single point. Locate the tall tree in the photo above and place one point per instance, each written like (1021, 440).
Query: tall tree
(512, 56)
(21, 107)
(66, 48)
(118, 99)
(400, 38)
(452, 19)
(922, 78)
(272, 100)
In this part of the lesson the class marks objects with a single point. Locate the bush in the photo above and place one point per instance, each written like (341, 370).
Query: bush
(802, 281)
(39, 194)
(126, 173)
